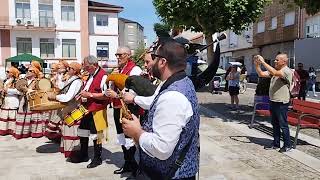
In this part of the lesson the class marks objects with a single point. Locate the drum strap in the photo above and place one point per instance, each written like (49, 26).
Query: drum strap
(69, 84)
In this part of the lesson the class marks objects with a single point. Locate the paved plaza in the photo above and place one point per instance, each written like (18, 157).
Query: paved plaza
(229, 150)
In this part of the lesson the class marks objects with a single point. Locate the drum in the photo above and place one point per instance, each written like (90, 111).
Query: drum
(75, 115)
(21, 85)
(118, 79)
(44, 84)
(38, 101)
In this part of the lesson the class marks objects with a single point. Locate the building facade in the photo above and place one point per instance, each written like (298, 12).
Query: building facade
(130, 34)
(55, 29)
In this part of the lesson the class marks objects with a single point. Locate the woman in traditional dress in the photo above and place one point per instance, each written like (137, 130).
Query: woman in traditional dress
(30, 123)
(69, 140)
(10, 102)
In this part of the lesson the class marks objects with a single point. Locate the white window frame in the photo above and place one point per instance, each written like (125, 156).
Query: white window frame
(25, 15)
(66, 43)
(102, 20)
(289, 18)
(26, 43)
(261, 27)
(70, 6)
(48, 42)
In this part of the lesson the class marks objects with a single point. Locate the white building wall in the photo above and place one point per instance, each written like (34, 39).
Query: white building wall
(36, 35)
(113, 45)
(68, 35)
(112, 27)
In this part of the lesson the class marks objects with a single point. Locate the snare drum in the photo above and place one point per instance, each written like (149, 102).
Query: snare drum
(75, 115)
(38, 101)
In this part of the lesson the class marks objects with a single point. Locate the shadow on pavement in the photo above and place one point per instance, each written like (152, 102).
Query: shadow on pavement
(249, 139)
(48, 148)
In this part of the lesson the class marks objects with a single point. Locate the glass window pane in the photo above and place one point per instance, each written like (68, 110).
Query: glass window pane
(51, 49)
(71, 13)
(64, 13)
(72, 51)
(19, 10)
(65, 51)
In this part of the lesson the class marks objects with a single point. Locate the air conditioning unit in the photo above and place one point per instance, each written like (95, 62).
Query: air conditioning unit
(19, 21)
(28, 22)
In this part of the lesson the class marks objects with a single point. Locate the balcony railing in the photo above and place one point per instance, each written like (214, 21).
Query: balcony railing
(46, 22)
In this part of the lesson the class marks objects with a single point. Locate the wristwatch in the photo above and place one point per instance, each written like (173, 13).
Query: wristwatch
(91, 95)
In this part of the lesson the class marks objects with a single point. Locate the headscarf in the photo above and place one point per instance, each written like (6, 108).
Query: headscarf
(14, 71)
(37, 65)
(76, 66)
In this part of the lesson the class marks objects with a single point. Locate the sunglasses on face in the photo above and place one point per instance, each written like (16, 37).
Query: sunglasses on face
(31, 71)
(119, 54)
(154, 56)
(7, 72)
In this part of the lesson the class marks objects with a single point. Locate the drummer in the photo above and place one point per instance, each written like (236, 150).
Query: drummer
(69, 139)
(10, 102)
(94, 123)
(53, 129)
(29, 123)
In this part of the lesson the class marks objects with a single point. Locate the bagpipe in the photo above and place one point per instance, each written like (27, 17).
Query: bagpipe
(144, 87)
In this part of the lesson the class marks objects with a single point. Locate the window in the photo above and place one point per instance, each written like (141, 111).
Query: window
(68, 48)
(47, 47)
(102, 20)
(67, 10)
(103, 49)
(46, 13)
(289, 18)
(274, 23)
(24, 45)
(261, 27)
(23, 9)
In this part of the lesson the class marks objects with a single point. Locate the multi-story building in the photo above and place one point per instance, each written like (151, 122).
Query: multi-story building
(238, 48)
(58, 29)
(130, 34)
(277, 29)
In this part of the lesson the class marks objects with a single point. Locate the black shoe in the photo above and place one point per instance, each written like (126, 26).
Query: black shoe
(94, 163)
(270, 147)
(285, 149)
(78, 158)
(125, 168)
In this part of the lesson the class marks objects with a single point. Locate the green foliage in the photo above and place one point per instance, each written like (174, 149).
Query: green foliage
(137, 53)
(162, 30)
(312, 6)
(210, 16)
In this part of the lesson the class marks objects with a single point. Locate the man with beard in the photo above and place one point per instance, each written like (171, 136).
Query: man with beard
(164, 137)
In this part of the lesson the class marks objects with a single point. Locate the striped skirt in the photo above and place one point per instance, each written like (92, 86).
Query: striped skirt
(53, 130)
(7, 121)
(31, 124)
(70, 141)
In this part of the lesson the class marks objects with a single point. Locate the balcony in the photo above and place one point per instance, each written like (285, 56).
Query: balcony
(41, 23)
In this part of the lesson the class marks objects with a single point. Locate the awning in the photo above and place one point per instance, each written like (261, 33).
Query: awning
(23, 58)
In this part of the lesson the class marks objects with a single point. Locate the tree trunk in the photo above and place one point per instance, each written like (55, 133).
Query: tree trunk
(209, 40)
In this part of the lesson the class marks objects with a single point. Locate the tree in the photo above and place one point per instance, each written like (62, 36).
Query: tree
(137, 53)
(210, 16)
(161, 29)
(311, 6)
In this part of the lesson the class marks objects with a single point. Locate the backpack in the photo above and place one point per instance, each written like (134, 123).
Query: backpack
(295, 86)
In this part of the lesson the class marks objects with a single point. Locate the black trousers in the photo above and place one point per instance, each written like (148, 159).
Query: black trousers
(87, 123)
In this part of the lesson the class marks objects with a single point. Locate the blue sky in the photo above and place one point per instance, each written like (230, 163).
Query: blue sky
(141, 11)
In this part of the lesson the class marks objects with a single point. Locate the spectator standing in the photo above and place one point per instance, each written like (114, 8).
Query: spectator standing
(312, 81)
(225, 77)
(279, 93)
(304, 76)
(234, 78)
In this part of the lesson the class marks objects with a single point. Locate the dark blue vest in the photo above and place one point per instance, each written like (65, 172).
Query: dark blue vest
(158, 169)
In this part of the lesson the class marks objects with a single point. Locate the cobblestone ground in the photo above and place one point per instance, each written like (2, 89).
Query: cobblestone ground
(229, 150)
(219, 103)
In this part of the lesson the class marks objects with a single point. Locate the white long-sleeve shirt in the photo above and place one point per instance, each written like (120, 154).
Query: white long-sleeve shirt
(11, 101)
(172, 114)
(74, 89)
(145, 101)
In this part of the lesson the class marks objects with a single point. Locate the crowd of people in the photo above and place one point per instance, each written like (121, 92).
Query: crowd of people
(163, 139)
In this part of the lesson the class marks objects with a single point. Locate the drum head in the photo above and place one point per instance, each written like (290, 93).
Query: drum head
(21, 83)
(44, 84)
